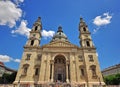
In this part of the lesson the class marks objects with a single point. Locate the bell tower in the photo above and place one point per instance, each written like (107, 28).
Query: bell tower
(35, 34)
(84, 35)
(90, 57)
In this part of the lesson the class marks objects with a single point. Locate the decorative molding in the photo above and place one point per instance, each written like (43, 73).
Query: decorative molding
(60, 44)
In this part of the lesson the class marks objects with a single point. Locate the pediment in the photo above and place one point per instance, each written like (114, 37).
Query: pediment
(60, 44)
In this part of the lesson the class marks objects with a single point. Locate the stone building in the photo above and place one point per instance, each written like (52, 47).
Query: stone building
(4, 69)
(112, 70)
(59, 61)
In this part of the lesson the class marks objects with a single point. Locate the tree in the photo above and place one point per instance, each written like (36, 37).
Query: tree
(8, 78)
(12, 77)
(112, 79)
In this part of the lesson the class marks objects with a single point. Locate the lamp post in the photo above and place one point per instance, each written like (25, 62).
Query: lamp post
(19, 81)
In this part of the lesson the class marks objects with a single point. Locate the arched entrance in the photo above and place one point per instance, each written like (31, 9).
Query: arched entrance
(60, 68)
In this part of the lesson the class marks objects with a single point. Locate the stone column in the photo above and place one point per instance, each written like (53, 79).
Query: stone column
(67, 80)
(52, 75)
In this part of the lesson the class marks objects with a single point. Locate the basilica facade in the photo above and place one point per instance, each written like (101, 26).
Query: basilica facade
(59, 61)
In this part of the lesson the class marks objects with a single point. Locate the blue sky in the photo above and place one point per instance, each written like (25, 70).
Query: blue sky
(101, 16)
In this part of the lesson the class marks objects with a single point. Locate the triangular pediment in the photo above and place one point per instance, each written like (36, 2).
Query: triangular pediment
(60, 44)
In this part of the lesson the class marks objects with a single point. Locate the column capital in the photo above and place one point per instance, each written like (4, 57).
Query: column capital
(51, 61)
(67, 62)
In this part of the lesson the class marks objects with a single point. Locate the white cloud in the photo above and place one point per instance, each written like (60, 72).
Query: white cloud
(9, 13)
(18, 2)
(17, 60)
(6, 58)
(95, 30)
(48, 34)
(102, 19)
(22, 29)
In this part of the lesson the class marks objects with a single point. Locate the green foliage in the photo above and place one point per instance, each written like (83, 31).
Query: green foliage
(8, 78)
(12, 76)
(112, 79)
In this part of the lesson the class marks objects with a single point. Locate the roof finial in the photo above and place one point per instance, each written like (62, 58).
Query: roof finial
(81, 19)
(60, 29)
(39, 19)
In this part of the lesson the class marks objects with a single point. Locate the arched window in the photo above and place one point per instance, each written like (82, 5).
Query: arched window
(59, 60)
(82, 70)
(90, 58)
(88, 43)
(25, 69)
(36, 28)
(80, 58)
(28, 57)
(93, 70)
(32, 42)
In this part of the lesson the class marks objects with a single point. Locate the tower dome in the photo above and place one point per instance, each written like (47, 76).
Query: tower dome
(59, 36)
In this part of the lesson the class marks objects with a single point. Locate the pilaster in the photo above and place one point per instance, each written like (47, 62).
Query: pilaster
(72, 68)
(43, 68)
(48, 68)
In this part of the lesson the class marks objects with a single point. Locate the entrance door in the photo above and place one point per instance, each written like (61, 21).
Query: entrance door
(59, 69)
(60, 77)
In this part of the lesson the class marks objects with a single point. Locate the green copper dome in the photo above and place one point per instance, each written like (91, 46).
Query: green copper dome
(60, 36)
